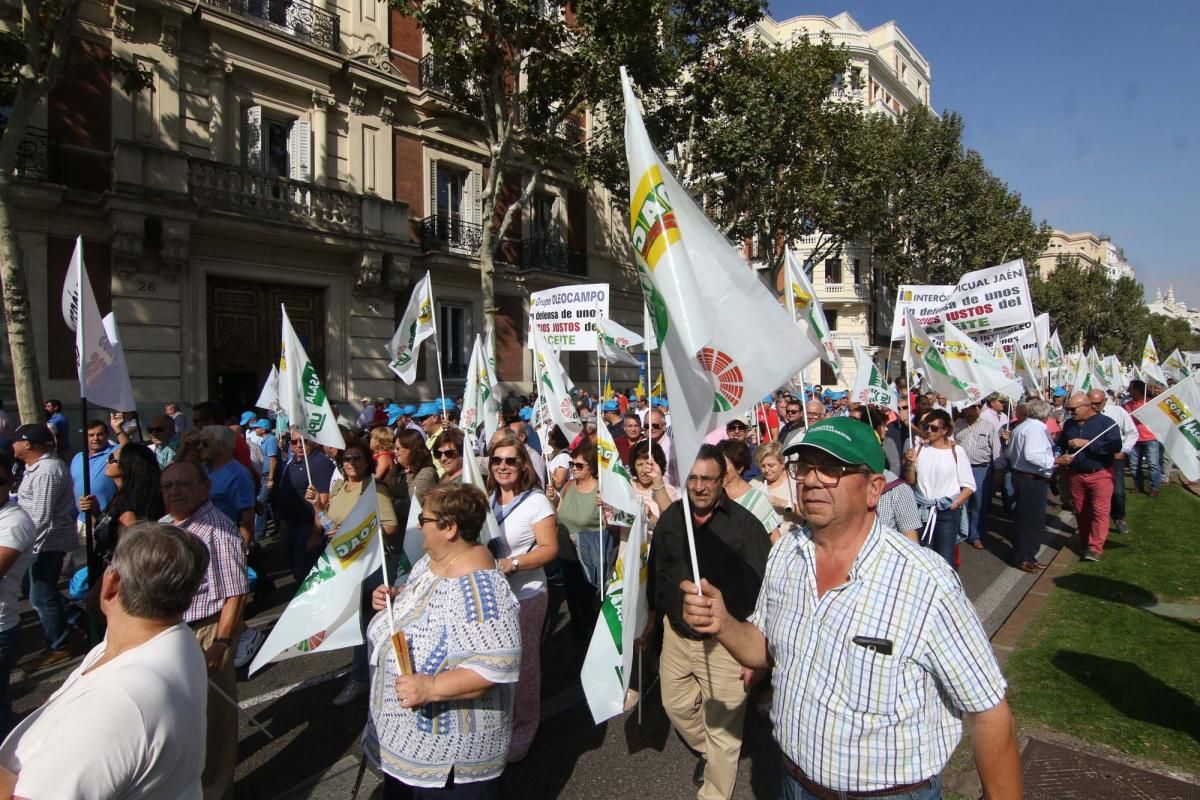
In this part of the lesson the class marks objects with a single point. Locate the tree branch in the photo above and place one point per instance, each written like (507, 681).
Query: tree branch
(530, 187)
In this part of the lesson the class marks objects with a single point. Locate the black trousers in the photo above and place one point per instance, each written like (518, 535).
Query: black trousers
(1118, 498)
(483, 790)
(1031, 516)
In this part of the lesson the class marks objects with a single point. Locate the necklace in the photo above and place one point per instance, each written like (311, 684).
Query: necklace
(450, 563)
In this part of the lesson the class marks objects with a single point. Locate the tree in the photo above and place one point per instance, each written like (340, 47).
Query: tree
(947, 214)
(1170, 333)
(520, 71)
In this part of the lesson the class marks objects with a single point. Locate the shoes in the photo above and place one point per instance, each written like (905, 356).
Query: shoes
(52, 659)
(350, 692)
(1154, 492)
(977, 544)
(248, 646)
(1029, 566)
(698, 773)
(1091, 555)
(1121, 526)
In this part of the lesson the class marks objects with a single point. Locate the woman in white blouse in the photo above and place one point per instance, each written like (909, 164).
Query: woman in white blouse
(941, 473)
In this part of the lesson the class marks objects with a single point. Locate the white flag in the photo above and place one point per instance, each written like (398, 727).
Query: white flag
(870, 388)
(715, 320)
(806, 309)
(1171, 417)
(479, 401)
(301, 395)
(1175, 366)
(972, 364)
(414, 539)
(1054, 351)
(922, 356)
(99, 358)
(324, 613)
(613, 342)
(473, 477)
(1150, 365)
(651, 340)
(616, 484)
(269, 396)
(552, 387)
(415, 327)
(1041, 333)
(1025, 355)
(609, 661)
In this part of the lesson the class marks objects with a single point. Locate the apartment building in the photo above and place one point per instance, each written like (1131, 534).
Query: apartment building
(292, 153)
(1097, 252)
(887, 75)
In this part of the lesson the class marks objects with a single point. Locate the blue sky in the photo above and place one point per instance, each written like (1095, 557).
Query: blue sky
(1089, 110)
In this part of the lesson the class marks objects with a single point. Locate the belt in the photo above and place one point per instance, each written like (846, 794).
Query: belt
(683, 632)
(819, 791)
(1090, 471)
(1033, 475)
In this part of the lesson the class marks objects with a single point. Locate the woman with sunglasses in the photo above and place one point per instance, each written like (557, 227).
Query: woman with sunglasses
(528, 541)
(332, 512)
(579, 543)
(940, 472)
(445, 730)
(417, 474)
(134, 469)
(448, 451)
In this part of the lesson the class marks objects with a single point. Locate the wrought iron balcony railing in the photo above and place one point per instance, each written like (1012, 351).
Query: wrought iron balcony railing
(299, 18)
(449, 233)
(550, 253)
(229, 188)
(431, 77)
(34, 153)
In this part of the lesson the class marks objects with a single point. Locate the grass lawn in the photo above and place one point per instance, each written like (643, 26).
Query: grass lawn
(1095, 665)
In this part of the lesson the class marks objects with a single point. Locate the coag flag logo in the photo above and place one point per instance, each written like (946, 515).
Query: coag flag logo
(349, 545)
(652, 221)
(1183, 418)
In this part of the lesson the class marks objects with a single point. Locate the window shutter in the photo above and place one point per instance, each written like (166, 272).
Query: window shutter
(252, 138)
(476, 195)
(433, 188)
(300, 151)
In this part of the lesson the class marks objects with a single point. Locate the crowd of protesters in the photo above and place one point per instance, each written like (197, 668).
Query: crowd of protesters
(799, 511)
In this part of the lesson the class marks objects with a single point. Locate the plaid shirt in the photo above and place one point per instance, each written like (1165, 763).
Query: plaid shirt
(858, 720)
(47, 495)
(226, 573)
(981, 442)
(897, 507)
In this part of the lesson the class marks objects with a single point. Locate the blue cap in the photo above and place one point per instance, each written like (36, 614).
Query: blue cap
(393, 416)
(768, 399)
(1060, 391)
(449, 404)
(657, 401)
(264, 424)
(393, 409)
(247, 416)
(425, 410)
(610, 405)
(525, 413)
(409, 410)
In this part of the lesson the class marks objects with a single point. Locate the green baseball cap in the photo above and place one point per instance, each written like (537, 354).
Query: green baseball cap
(844, 438)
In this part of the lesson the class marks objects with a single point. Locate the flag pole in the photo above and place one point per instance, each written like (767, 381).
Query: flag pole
(93, 571)
(599, 472)
(437, 348)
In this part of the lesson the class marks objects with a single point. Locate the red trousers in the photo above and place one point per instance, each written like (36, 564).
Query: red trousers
(1091, 499)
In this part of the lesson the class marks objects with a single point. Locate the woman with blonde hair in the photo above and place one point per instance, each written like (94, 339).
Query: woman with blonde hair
(381, 456)
(528, 541)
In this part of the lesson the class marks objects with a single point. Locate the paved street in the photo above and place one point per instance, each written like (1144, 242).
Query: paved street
(314, 750)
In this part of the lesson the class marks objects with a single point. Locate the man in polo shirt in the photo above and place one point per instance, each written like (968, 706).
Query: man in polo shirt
(1031, 463)
(98, 450)
(702, 688)
(980, 440)
(1088, 465)
(215, 613)
(877, 652)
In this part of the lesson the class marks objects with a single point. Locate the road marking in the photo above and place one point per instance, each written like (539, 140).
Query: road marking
(298, 686)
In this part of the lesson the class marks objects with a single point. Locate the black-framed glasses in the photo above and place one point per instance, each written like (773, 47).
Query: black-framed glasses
(1076, 407)
(447, 453)
(828, 474)
(792, 412)
(932, 428)
(658, 426)
(422, 519)
(112, 458)
(703, 480)
(508, 461)
(356, 457)
(579, 465)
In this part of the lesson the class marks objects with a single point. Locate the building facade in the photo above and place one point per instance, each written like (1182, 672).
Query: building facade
(887, 75)
(1094, 251)
(1169, 307)
(294, 154)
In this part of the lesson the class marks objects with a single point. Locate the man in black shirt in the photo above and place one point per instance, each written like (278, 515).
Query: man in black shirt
(1089, 470)
(702, 688)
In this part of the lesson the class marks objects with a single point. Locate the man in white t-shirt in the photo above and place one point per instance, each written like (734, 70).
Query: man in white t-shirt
(17, 535)
(127, 722)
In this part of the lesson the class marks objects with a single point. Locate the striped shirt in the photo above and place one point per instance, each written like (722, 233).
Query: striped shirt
(980, 441)
(46, 495)
(897, 507)
(857, 720)
(226, 573)
(757, 503)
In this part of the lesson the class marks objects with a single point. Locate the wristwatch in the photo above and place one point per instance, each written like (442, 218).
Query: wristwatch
(516, 564)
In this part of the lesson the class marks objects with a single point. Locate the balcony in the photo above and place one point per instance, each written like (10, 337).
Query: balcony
(297, 18)
(224, 187)
(34, 155)
(845, 292)
(551, 254)
(432, 77)
(447, 233)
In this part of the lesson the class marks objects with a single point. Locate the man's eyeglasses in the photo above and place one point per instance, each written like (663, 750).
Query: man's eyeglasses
(579, 465)
(422, 519)
(1076, 407)
(658, 426)
(447, 453)
(508, 461)
(703, 480)
(791, 412)
(828, 474)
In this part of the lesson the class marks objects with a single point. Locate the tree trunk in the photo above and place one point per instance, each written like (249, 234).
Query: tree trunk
(487, 270)
(17, 313)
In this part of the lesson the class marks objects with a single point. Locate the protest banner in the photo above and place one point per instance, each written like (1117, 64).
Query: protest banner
(565, 316)
(987, 299)
(925, 302)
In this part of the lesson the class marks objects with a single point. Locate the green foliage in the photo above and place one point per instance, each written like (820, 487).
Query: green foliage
(947, 214)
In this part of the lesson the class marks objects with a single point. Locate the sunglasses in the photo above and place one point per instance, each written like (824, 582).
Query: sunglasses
(449, 453)
(658, 426)
(932, 428)
(508, 461)
(579, 465)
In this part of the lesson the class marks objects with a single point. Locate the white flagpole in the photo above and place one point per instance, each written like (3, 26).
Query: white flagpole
(691, 538)
(599, 472)
(1094, 438)
(387, 584)
(437, 349)
(648, 323)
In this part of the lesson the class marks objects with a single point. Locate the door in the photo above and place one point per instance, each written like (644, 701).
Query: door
(244, 324)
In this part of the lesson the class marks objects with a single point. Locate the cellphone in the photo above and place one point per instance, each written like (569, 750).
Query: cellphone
(881, 646)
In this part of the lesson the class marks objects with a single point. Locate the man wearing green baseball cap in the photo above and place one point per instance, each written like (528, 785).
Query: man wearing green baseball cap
(877, 652)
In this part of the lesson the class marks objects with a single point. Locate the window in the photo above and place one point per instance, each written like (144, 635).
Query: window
(454, 323)
(827, 376)
(831, 316)
(452, 206)
(276, 146)
(545, 221)
(833, 270)
(858, 270)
